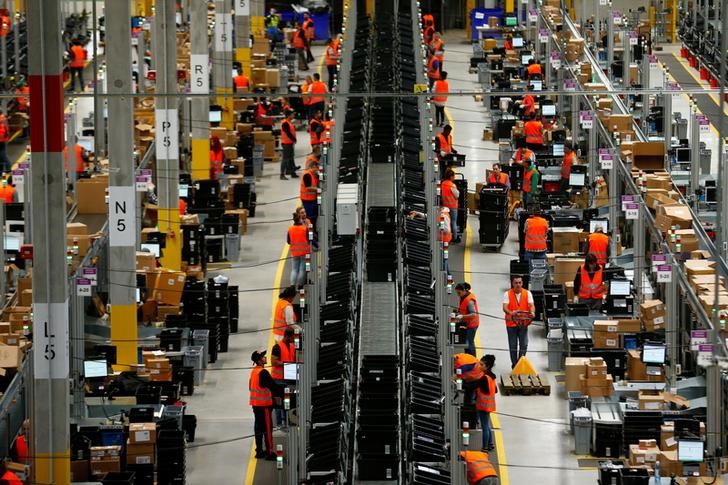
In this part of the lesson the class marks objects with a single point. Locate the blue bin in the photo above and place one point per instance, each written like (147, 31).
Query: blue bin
(485, 12)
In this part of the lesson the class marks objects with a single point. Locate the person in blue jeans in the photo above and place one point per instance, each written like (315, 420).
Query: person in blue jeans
(485, 390)
(519, 309)
(468, 315)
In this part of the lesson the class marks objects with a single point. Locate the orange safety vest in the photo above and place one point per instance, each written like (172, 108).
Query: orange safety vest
(502, 179)
(182, 207)
(79, 157)
(432, 71)
(285, 138)
(486, 402)
(523, 154)
(566, 164)
(428, 33)
(469, 368)
(534, 69)
(470, 321)
(21, 447)
(591, 288)
(515, 305)
(241, 81)
(445, 228)
(447, 198)
(259, 396)
(598, 244)
(299, 39)
(337, 44)
(304, 91)
(536, 235)
(317, 87)
(279, 318)
(445, 143)
(4, 129)
(308, 29)
(533, 132)
(309, 194)
(5, 25)
(79, 56)
(309, 162)
(328, 129)
(441, 87)
(331, 57)
(527, 180)
(22, 101)
(315, 138)
(529, 105)
(216, 160)
(288, 355)
(478, 466)
(6, 194)
(298, 235)
(437, 47)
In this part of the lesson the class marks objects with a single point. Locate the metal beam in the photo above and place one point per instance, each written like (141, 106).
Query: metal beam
(222, 61)
(200, 84)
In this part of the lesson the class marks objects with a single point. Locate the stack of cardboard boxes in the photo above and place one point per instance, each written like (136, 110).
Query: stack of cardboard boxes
(637, 370)
(652, 313)
(607, 333)
(588, 376)
(105, 459)
(140, 447)
(158, 368)
(574, 49)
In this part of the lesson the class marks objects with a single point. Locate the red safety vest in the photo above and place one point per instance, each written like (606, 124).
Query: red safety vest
(445, 143)
(591, 288)
(315, 138)
(4, 129)
(447, 198)
(241, 81)
(527, 180)
(299, 39)
(216, 161)
(536, 234)
(182, 207)
(310, 160)
(6, 194)
(305, 87)
(502, 179)
(317, 87)
(5, 25)
(298, 235)
(288, 355)
(259, 396)
(515, 305)
(469, 321)
(22, 101)
(79, 158)
(478, 466)
(285, 138)
(309, 194)
(437, 47)
(79, 56)
(486, 402)
(566, 164)
(21, 447)
(428, 33)
(598, 244)
(533, 132)
(441, 87)
(432, 71)
(279, 319)
(529, 105)
(469, 368)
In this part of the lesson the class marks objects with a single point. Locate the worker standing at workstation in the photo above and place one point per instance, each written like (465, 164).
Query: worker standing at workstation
(297, 238)
(533, 129)
(519, 309)
(528, 103)
(437, 49)
(284, 315)
(530, 185)
(299, 43)
(498, 178)
(441, 88)
(241, 82)
(309, 190)
(263, 393)
(216, 158)
(535, 234)
(468, 315)
(589, 283)
(598, 245)
(533, 70)
(523, 156)
(283, 352)
(316, 129)
(566, 163)
(317, 90)
(332, 58)
(449, 198)
(479, 469)
(443, 144)
(83, 162)
(485, 390)
(433, 71)
(288, 142)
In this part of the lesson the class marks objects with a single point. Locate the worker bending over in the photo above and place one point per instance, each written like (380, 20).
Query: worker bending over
(263, 393)
(519, 307)
(468, 315)
(598, 245)
(469, 370)
(589, 283)
(480, 471)
(443, 144)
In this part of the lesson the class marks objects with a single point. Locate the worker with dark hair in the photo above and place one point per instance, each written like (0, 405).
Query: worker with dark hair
(264, 392)
(566, 164)
(589, 283)
(468, 315)
(449, 196)
(485, 390)
(441, 88)
(598, 245)
(283, 352)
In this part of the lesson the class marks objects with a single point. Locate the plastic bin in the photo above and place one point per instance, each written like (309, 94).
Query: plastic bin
(195, 357)
(609, 472)
(582, 431)
(555, 342)
(538, 279)
(635, 476)
(201, 338)
(577, 400)
(232, 247)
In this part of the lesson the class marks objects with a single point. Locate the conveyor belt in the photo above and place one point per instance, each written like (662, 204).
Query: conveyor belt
(379, 310)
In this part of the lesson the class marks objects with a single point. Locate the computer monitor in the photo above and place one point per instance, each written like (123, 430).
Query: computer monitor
(517, 42)
(558, 149)
(152, 247)
(690, 450)
(682, 155)
(215, 116)
(290, 372)
(604, 223)
(577, 179)
(11, 243)
(653, 353)
(15, 211)
(537, 85)
(95, 369)
(547, 109)
(620, 288)
(184, 190)
(510, 21)
(525, 58)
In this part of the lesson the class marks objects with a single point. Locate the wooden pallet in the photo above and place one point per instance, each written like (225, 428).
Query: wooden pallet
(525, 385)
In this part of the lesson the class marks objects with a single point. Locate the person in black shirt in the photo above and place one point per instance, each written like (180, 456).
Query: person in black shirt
(485, 388)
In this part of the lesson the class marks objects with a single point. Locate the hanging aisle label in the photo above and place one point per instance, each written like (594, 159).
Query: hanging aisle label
(632, 38)
(632, 212)
(626, 199)
(543, 36)
(50, 340)
(199, 74)
(122, 216)
(652, 60)
(242, 7)
(532, 16)
(83, 287)
(166, 124)
(606, 160)
(657, 260)
(18, 176)
(569, 84)
(556, 60)
(704, 125)
(705, 355)
(602, 2)
(664, 273)
(91, 274)
(698, 338)
(223, 32)
(587, 121)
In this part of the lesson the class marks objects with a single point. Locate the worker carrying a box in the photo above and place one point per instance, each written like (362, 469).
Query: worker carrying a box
(598, 245)
(263, 393)
(497, 178)
(485, 389)
(519, 309)
(480, 471)
(535, 233)
(589, 283)
(468, 315)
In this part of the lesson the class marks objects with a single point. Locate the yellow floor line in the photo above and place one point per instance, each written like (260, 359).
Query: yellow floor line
(689, 70)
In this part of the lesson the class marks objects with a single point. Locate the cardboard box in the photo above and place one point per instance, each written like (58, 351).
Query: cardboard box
(669, 464)
(699, 267)
(273, 77)
(112, 451)
(606, 326)
(229, 153)
(629, 326)
(91, 195)
(145, 261)
(244, 128)
(565, 269)
(168, 287)
(100, 467)
(605, 388)
(643, 456)
(144, 433)
(164, 310)
(80, 470)
(140, 453)
(26, 297)
(158, 375)
(673, 215)
(259, 75)
(566, 240)
(651, 400)
(667, 437)
(597, 368)
(76, 229)
(637, 370)
(219, 132)
(648, 155)
(605, 340)
(652, 313)
(10, 356)
(574, 367)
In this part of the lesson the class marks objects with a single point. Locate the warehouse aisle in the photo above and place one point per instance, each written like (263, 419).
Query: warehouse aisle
(222, 448)
(531, 431)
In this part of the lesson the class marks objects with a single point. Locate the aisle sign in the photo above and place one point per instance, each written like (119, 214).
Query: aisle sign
(223, 32)
(142, 185)
(555, 60)
(569, 84)
(532, 16)
(50, 340)
(632, 38)
(676, 88)
(91, 274)
(698, 338)
(167, 134)
(704, 125)
(606, 160)
(632, 211)
(664, 273)
(705, 355)
(18, 176)
(543, 36)
(199, 74)
(122, 216)
(657, 260)
(83, 287)
(242, 7)
(652, 60)
(587, 121)
(420, 88)
(625, 200)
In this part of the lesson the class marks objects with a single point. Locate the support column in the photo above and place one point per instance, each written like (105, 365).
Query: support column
(222, 61)
(627, 58)
(694, 158)
(242, 35)
(575, 118)
(672, 330)
(667, 125)
(99, 120)
(610, 41)
(615, 196)
(166, 116)
(200, 84)
(639, 252)
(122, 190)
(50, 388)
(593, 157)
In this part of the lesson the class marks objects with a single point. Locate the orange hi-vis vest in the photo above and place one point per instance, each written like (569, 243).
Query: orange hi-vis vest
(534, 69)
(598, 244)
(309, 194)
(259, 396)
(536, 232)
(471, 321)
(288, 355)
(529, 105)
(447, 198)
(566, 164)
(328, 128)
(285, 138)
(502, 179)
(469, 368)
(4, 129)
(591, 288)
(315, 138)
(279, 319)
(23, 101)
(6, 194)
(445, 143)
(79, 56)
(441, 87)
(331, 55)
(533, 132)
(309, 29)
(310, 160)
(241, 81)
(216, 161)
(515, 305)
(21, 447)
(437, 51)
(79, 158)
(523, 154)
(11, 478)
(299, 39)
(486, 402)
(305, 88)
(298, 235)
(477, 466)
(432, 71)
(445, 228)
(318, 88)
(527, 180)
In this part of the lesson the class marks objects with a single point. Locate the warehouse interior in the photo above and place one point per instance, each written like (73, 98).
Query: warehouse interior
(363, 242)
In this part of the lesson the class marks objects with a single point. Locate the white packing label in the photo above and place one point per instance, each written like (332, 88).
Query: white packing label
(166, 124)
(607, 161)
(199, 73)
(143, 460)
(479, 15)
(83, 287)
(142, 436)
(242, 7)
(91, 274)
(587, 122)
(122, 216)
(664, 275)
(658, 320)
(632, 211)
(223, 32)
(602, 2)
(50, 340)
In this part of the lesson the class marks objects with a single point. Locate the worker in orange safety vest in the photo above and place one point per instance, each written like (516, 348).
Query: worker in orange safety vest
(598, 245)
(216, 158)
(519, 309)
(589, 283)
(468, 315)
(449, 197)
(8, 193)
(298, 239)
(440, 88)
(299, 43)
(485, 388)
(284, 316)
(535, 239)
(332, 60)
(78, 61)
(479, 469)
(283, 352)
(264, 392)
(20, 451)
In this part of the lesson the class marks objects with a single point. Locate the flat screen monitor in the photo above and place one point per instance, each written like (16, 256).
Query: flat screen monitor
(547, 109)
(152, 247)
(577, 179)
(95, 368)
(215, 116)
(517, 42)
(11, 243)
(510, 21)
(690, 450)
(620, 288)
(683, 155)
(653, 353)
(184, 190)
(537, 85)
(604, 223)
(525, 58)
(558, 149)
(290, 372)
